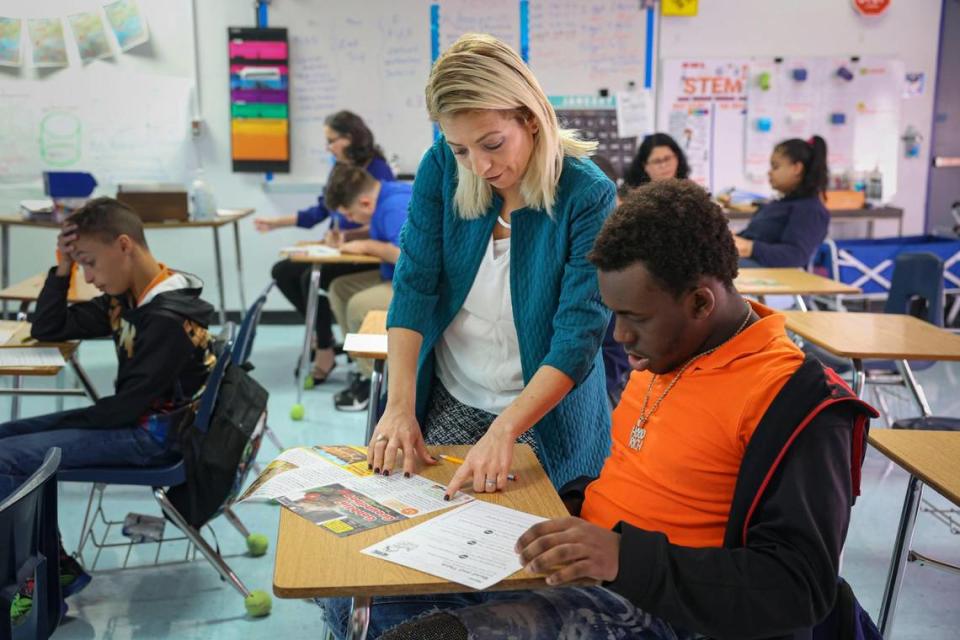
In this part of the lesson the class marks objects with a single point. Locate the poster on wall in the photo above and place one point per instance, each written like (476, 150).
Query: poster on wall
(91, 37)
(46, 36)
(10, 42)
(129, 25)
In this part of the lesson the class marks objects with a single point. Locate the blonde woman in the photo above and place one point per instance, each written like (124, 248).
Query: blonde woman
(496, 320)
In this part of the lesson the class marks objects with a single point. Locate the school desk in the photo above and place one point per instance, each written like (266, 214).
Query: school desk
(21, 338)
(877, 336)
(316, 262)
(789, 282)
(27, 291)
(314, 563)
(931, 458)
(868, 215)
(375, 324)
(223, 218)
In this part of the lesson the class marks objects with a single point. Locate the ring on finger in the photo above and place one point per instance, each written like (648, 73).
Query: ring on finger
(381, 437)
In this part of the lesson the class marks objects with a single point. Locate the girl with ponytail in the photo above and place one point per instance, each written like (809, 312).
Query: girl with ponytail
(787, 232)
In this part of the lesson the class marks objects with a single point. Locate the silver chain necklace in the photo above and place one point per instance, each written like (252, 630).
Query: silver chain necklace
(639, 432)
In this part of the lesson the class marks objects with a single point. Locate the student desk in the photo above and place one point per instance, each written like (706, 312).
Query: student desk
(931, 458)
(877, 336)
(312, 562)
(224, 217)
(316, 263)
(842, 215)
(27, 291)
(374, 323)
(67, 349)
(791, 282)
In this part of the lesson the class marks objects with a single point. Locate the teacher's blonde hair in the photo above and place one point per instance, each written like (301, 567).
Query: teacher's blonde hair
(480, 72)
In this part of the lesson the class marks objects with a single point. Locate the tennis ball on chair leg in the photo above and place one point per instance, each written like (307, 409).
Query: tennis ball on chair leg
(258, 604)
(308, 382)
(297, 412)
(257, 544)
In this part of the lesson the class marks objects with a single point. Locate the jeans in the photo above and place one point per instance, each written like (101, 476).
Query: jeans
(548, 614)
(24, 443)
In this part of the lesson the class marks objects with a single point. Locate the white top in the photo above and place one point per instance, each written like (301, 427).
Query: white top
(478, 356)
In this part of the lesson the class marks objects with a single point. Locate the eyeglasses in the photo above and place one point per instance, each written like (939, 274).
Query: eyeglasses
(660, 162)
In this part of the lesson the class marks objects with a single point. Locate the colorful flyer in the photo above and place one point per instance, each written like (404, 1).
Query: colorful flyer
(341, 510)
(91, 37)
(128, 23)
(10, 31)
(49, 48)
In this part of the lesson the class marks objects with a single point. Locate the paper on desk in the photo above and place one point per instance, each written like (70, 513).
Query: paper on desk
(310, 250)
(301, 468)
(365, 343)
(31, 357)
(5, 335)
(473, 545)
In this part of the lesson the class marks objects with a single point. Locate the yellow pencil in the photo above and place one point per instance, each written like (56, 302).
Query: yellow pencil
(456, 460)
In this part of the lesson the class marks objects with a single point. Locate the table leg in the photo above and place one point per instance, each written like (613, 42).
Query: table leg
(236, 245)
(898, 562)
(870, 228)
(5, 262)
(373, 409)
(15, 399)
(83, 378)
(360, 618)
(859, 377)
(801, 303)
(915, 389)
(219, 265)
(309, 324)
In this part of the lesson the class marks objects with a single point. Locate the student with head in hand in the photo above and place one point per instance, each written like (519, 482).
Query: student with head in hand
(788, 231)
(350, 142)
(659, 157)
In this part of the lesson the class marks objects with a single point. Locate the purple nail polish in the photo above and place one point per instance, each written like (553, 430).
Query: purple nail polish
(386, 472)
(376, 469)
(446, 497)
(406, 474)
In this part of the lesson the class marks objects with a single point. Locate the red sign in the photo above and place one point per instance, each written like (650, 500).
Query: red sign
(871, 7)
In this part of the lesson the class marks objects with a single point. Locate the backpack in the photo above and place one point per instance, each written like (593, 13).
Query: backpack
(218, 459)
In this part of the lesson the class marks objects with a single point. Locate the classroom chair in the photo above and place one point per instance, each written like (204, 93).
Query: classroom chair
(243, 348)
(31, 548)
(257, 602)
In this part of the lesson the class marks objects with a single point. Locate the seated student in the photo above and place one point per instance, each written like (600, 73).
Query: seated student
(363, 199)
(159, 328)
(723, 506)
(351, 142)
(659, 157)
(787, 232)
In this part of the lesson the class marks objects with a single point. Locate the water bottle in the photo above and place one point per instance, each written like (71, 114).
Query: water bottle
(202, 203)
(875, 185)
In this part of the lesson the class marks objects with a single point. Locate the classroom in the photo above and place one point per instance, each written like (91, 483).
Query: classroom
(271, 364)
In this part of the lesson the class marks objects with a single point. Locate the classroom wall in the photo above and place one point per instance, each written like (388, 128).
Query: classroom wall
(908, 30)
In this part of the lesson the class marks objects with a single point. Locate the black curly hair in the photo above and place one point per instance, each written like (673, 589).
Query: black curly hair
(675, 230)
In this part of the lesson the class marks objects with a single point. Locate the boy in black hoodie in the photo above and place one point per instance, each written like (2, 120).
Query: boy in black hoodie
(159, 327)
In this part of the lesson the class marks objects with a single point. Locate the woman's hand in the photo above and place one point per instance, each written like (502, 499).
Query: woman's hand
(264, 225)
(744, 246)
(488, 463)
(397, 432)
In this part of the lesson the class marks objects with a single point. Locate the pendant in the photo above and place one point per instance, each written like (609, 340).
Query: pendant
(636, 437)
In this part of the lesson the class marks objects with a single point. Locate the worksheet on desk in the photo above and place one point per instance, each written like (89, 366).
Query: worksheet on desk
(5, 335)
(473, 545)
(22, 357)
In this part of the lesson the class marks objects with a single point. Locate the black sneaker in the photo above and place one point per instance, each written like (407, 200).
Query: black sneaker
(356, 397)
(73, 579)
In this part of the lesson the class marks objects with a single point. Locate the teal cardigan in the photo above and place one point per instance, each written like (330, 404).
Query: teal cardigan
(557, 310)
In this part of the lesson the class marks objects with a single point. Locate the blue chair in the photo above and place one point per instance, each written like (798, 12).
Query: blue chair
(172, 475)
(31, 548)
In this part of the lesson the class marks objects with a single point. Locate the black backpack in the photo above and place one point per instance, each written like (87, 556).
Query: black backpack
(218, 458)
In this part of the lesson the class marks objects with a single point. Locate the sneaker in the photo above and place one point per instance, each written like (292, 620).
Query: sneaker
(356, 397)
(73, 579)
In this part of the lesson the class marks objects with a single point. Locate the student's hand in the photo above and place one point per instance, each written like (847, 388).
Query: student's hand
(487, 464)
(570, 549)
(397, 432)
(264, 225)
(66, 245)
(333, 238)
(744, 246)
(355, 247)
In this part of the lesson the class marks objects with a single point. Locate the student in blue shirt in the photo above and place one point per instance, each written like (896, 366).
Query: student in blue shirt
(787, 232)
(351, 142)
(381, 208)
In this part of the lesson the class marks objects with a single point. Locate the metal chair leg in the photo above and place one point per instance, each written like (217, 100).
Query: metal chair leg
(898, 561)
(233, 519)
(214, 558)
(360, 618)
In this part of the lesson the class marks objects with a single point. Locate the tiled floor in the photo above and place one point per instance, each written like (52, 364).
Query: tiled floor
(188, 601)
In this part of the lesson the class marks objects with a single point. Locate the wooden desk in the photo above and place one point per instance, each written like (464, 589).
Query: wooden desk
(68, 350)
(311, 562)
(931, 458)
(28, 290)
(791, 282)
(224, 217)
(297, 411)
(374, 323)
(868, 215)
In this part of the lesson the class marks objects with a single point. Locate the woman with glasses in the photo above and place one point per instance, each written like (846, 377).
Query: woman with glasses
(658, 158)
(348, 140)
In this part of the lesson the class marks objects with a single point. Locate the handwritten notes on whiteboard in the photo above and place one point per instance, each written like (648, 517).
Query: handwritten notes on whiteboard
(499, 18)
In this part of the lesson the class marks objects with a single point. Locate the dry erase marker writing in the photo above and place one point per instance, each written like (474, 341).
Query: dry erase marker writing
(456, 460)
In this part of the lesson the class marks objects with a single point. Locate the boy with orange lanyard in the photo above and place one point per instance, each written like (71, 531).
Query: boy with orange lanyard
(158, 323)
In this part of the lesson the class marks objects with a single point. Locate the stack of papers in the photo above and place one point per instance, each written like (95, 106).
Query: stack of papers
(332, 488)
(310, 250)
(365, 343)
(22, 357)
